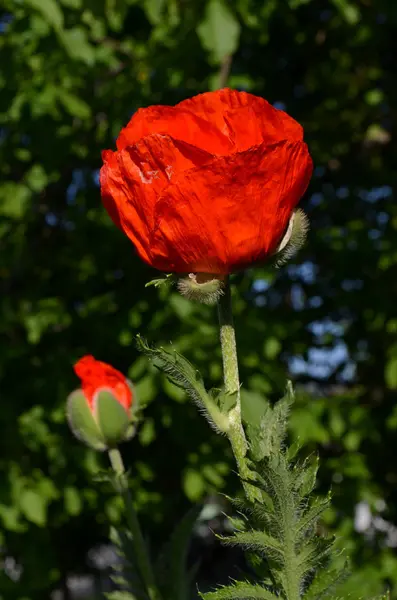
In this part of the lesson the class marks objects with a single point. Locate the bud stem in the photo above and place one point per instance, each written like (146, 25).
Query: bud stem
(235, 431)
(141, 554)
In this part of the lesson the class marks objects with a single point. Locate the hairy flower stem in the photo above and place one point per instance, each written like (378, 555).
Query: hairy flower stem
(232, 386)
(141, 554)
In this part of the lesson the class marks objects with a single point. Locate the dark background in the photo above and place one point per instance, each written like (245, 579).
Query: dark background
(72, 73)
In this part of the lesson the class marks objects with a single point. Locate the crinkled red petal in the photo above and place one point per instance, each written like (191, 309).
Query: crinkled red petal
(230, 213)
(218, 122)
(177, 123)
(133, 179)
(247, 120)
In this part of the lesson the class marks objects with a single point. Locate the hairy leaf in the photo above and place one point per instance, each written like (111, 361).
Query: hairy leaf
(182, 373)
(267, 437)
(280, 531)
(258, 541)
(240, 591)
(125, 573)
(325, 583)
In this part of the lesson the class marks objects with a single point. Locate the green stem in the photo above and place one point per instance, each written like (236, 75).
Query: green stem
(235, 431)
(142, 557)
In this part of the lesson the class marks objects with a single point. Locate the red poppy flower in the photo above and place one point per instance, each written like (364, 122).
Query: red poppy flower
(96, 375)
(208, 185)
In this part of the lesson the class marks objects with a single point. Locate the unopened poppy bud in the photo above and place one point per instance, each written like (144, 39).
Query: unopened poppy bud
(100, 413)
(202, 287)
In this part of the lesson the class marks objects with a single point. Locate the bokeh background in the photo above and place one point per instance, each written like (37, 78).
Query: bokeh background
(72, 73)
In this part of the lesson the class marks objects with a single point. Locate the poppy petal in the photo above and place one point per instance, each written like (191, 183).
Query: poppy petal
(132, 182)
(116, 199)
(179, 124)
(246, 119)
(96, 375)
(231, 212)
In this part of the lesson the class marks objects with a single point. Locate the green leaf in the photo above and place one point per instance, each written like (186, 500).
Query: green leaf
(226, 400)
(115, 13)
(271, 348)
(391, 373)
(348, 10)
(36, 178)
(266, 438)
(311, 515)
(75, 4)
(41, 318)
(256, 540)
(326, 582)
(75, 105)
(125, 572)
(294, 4)
(73, 501)
(76, 44)
(50, 11)
(10, 517)
(193, 485)
(120, 596)
(182, 374)
(219, 32)
(33, 505)
(374, 97)
(168, 279)
(279, 531)
(240, 591)
(14, 200)
(305, 478)
(253, 407)
(171, 568)
(154, 10)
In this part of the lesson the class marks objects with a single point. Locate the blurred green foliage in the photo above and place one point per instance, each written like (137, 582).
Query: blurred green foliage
(72, 73)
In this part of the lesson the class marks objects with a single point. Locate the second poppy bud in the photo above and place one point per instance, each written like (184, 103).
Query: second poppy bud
(100, 413)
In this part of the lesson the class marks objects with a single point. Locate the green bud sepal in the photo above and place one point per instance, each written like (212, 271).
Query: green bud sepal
(104, 425)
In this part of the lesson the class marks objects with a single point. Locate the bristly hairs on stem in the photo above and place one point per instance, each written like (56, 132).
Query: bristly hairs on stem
(231, 379)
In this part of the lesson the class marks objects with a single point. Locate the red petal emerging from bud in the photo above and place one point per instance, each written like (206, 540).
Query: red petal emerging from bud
(96, 375)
